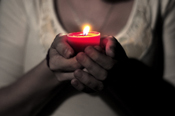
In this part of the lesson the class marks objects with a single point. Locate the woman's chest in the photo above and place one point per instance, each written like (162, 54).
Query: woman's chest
(106, 18)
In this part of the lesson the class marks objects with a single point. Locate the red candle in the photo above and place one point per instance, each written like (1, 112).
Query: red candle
(80, 40)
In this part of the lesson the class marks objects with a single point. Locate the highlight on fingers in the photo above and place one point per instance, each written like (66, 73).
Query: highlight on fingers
(113, 48)
(100, 58)
(107, 43)
(62, 47)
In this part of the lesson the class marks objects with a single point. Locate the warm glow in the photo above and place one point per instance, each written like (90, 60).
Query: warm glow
(86, 30)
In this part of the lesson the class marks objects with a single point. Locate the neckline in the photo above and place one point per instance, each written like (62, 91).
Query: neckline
(59, 27)
(129, 21)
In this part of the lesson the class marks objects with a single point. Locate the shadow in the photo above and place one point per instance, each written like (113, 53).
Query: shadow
(59, 98)
(140, 91)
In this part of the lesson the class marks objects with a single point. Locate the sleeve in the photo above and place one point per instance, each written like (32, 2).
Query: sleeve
(168, 14)
(13, 26)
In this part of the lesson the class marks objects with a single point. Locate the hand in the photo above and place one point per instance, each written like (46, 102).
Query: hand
(60, 60)
(98, 64)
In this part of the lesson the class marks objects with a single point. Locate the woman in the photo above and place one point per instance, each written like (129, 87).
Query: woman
(140, 29)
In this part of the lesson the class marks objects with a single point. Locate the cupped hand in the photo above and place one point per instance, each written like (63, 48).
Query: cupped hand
(98, 62)
(61, 61)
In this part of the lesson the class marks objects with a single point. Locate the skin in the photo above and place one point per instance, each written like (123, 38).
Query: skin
(96, 60)
(98, 65)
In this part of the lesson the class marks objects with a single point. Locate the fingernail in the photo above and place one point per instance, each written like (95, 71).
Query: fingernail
(88, 49)
(75, 83)
(67, 53)
(80, 57)
(78, 73)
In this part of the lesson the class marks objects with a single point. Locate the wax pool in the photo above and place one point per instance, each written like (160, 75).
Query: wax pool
(79, 41)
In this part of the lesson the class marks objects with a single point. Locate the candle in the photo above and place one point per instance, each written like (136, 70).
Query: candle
(80, 40)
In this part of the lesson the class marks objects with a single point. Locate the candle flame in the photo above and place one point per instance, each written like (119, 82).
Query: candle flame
(86, 30)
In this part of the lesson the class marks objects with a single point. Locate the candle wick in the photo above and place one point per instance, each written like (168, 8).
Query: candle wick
(86, 30)
(85, 34)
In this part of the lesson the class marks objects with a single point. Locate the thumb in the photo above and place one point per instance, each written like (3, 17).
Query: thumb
(113, 48)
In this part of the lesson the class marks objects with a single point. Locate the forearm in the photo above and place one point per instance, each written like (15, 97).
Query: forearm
(26, 95)
(140, 91)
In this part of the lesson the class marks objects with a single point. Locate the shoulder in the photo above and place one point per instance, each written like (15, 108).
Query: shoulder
(12, 4)
(30, 7)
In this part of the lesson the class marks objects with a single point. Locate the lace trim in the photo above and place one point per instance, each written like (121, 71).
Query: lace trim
(138, 37)
(48, 29)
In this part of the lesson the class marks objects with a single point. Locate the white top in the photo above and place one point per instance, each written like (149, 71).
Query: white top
(28, 27)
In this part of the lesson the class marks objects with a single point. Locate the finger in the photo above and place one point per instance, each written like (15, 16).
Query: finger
(93, 68)
(62, 47)
(77, 84)
(113, 48)
(100, 58)
(98, 48)
(88, 80)
(103, 41)
(108, 43)
(64, 76)
(60, 63)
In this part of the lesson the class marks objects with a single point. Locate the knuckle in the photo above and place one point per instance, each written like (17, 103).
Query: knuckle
(103, 75)
(91, 52)
(76, 66)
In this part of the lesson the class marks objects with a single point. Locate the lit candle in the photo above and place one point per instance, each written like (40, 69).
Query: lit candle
(80, 40)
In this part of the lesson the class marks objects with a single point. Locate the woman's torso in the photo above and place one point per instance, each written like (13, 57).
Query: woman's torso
(46, 25)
